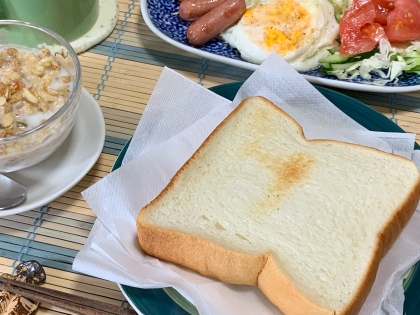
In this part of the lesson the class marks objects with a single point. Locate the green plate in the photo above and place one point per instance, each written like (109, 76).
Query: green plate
(169, 301)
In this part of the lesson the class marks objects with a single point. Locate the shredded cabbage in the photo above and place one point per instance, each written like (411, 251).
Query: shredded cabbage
(388, 63)
(339, 7)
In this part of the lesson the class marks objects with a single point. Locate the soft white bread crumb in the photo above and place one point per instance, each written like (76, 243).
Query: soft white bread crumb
(323, 212)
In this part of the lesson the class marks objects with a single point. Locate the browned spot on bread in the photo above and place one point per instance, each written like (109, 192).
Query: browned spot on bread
(287, 173)
(292, 171)
(284, 174)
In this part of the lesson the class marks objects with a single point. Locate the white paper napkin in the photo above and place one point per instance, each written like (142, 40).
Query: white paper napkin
(179, 116)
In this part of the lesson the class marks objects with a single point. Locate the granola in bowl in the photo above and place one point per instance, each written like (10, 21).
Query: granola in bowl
(40, 89)
(33, 86)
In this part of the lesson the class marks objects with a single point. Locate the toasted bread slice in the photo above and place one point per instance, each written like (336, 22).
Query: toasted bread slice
(305, 221)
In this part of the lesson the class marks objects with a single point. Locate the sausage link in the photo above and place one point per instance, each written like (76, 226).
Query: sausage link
(214, 22)
(190, 10)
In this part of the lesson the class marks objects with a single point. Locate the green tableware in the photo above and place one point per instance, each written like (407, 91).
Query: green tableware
(169, 301)
(69, 18)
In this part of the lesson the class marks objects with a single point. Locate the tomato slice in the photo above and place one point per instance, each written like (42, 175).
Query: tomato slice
(403, 23)
(358, 30)
(382, 9)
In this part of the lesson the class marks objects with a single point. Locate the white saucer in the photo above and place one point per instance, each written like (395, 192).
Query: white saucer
(54, 176)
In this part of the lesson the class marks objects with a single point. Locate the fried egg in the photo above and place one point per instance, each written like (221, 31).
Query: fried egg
(300, 31)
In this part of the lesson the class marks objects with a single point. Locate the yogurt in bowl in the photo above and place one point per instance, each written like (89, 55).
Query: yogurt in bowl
(39, 94)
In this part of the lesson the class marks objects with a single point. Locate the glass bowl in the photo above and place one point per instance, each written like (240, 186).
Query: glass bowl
(35, 145)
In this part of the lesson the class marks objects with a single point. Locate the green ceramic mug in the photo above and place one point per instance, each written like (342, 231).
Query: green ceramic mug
(69, 18)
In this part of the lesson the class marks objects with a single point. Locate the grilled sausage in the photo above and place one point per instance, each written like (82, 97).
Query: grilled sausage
(190, 10)
(214, 22)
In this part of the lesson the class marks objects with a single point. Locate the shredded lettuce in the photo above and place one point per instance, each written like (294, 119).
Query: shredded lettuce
(411, 56)
(388, 62)
(339, 7)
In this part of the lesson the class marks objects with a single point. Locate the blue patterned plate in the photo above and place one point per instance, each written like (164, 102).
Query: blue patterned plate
(168, 301)
(162, 18)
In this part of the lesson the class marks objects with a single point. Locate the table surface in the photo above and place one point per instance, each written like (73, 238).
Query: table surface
(121, 73)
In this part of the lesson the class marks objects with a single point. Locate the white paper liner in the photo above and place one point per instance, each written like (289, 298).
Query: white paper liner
(179, 116)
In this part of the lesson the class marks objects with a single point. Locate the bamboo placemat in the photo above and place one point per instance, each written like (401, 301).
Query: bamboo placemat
(121, 73)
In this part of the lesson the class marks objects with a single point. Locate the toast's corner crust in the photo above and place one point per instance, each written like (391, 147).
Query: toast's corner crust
(385, 240)
(281, 292)
(276, 286)
(200, 255)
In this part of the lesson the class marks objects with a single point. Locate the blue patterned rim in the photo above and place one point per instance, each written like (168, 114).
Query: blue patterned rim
(164, 16)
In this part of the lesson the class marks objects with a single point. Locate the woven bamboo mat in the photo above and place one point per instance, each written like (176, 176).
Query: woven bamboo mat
(121, 73)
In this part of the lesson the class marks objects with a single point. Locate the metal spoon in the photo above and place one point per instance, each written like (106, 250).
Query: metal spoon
(11, 193)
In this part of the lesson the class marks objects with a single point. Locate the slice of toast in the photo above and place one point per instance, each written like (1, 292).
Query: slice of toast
(305, 221)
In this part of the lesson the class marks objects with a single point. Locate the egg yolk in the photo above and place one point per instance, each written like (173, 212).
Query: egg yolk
(285, 24)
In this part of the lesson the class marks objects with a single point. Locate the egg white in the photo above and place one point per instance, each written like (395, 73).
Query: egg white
(300, 31)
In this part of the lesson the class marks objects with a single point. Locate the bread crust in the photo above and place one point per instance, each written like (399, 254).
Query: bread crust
(206, 258)
(212, 260)
(281, 292)
(385, 239)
